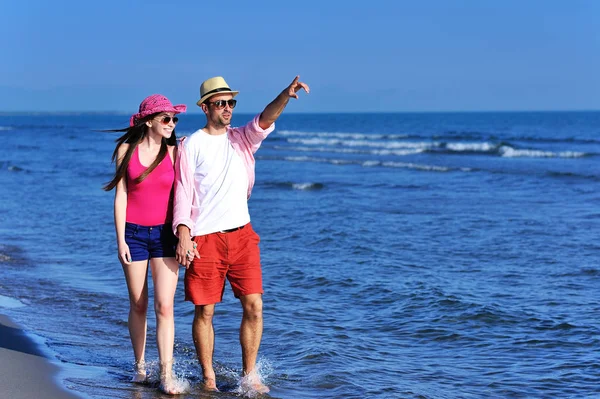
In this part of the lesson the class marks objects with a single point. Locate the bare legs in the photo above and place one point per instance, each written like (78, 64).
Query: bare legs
(251, 330)
(137, 285)
(203, 334)
(164, 276)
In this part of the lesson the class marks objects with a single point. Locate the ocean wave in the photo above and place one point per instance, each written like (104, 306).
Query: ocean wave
(6, 128)
(307, 186)
(402, 148)
(352, 150)
(372, 163)
(470, 147)
(535, 139)
(445, 136)
(295, 186)
(509, 152)
(6, 165)
(428, 168)
(571, 175)
(364, 143)
(460, 135)
(341, 135)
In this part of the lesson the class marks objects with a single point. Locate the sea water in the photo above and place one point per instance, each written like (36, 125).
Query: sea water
(449, 255)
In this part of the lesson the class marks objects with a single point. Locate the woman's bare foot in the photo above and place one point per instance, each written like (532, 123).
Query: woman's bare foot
(139, 374)
(173, 386)
(169, 383)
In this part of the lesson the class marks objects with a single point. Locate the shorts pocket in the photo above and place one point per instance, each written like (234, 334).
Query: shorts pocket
(251, 235)
(130, 230)
(200, 241)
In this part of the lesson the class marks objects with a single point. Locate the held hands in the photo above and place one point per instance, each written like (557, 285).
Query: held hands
(186, 252)
(295, 87)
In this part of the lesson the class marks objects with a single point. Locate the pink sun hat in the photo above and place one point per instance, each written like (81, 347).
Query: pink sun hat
(154, 104)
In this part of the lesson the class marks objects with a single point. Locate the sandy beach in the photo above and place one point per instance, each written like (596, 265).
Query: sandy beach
(25, 372)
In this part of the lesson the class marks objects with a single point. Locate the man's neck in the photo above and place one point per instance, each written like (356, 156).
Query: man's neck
(214, 130)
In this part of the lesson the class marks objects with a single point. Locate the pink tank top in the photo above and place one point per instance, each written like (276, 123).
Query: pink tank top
(149, 203)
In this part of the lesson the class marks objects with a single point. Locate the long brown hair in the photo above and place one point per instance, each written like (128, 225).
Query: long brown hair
(133, 136)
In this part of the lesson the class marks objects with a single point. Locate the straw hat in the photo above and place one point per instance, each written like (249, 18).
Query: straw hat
(212, 86)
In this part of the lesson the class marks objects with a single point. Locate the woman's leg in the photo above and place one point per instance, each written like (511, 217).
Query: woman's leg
(136, 275)
(164, 275)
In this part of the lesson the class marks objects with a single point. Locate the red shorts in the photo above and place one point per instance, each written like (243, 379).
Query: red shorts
(234, 256)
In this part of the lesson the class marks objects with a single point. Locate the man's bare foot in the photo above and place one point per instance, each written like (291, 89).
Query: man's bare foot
(139, 375)
(210, 384)
(260, 388)
(252, 382)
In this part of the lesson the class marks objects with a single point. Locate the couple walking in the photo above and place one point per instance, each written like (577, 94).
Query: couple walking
(186, 203)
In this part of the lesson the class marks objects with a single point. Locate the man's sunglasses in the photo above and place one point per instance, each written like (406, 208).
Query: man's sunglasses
(166, 119)
(220, 104)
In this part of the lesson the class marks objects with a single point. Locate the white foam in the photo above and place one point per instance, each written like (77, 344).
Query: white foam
(10, 303)
(510, 152)
(179, 383)
(247, 387)
(302, 159)
(430, 168)
(364, 143)
(304, 186)
(473, 147)
(371, 163)
(353, 150)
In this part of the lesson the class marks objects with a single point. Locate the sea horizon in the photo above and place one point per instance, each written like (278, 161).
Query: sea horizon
(291, 112)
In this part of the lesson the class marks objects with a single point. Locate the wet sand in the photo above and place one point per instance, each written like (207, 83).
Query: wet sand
(25, 372)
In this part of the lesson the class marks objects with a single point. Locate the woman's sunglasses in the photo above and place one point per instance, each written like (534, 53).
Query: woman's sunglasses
(220, 104)
(166, 119)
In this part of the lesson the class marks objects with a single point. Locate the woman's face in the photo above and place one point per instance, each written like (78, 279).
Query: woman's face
(162, 124)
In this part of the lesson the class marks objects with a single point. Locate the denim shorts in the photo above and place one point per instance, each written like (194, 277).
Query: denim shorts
(146, 242)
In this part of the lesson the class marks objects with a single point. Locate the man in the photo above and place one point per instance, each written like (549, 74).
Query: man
(214, 179)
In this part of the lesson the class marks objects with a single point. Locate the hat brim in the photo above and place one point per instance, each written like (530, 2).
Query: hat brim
(207, 96)
(179, 108)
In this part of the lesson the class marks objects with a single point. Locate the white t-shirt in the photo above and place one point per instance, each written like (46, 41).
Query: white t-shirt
(221, 183)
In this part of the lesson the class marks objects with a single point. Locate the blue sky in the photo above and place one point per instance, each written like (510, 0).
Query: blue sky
(367, 56)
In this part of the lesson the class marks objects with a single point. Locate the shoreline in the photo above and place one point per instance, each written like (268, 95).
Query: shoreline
(25, 371)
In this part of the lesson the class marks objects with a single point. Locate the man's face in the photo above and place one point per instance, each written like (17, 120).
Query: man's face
(218, 109)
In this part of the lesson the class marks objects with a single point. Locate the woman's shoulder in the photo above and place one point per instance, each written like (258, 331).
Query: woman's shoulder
(122, 150)
(172, 149)
(124, 147)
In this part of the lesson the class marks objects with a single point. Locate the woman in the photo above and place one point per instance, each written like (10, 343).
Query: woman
(144, 158)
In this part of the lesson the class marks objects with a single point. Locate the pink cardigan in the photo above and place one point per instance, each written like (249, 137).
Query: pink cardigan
(245, 140)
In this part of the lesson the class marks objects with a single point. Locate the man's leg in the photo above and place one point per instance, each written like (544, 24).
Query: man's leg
(204, 341)
(251, 331)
